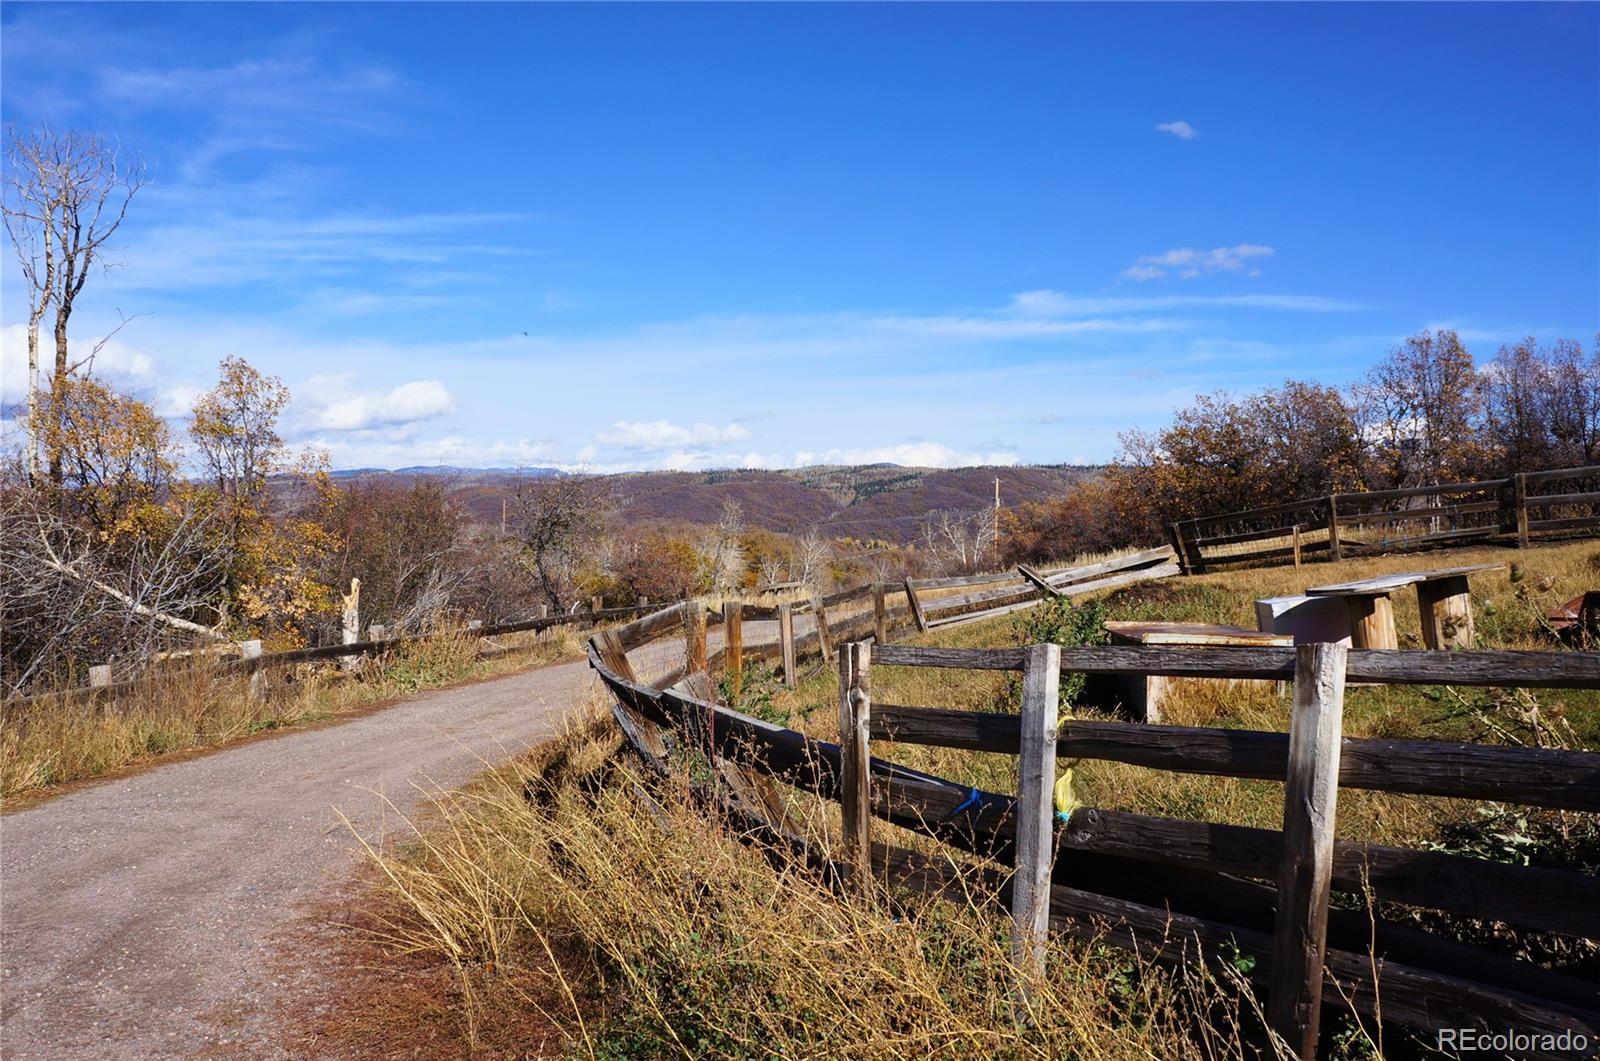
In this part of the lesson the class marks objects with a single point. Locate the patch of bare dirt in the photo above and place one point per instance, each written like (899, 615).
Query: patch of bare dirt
(354, 995)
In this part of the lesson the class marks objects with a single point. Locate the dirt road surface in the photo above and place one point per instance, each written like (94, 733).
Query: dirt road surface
(138, 917)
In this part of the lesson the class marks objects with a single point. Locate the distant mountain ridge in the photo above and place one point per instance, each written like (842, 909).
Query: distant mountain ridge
(886, 502)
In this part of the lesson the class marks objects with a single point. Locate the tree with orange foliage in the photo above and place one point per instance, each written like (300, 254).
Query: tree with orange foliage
(117, 462)
(272, 585)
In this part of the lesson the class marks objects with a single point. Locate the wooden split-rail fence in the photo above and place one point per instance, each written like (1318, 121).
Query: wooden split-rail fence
(1167, 888)
(1521, 508)
(246, 657)
(874, 608)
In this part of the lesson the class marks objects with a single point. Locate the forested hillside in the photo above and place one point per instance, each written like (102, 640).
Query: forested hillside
(875, 502)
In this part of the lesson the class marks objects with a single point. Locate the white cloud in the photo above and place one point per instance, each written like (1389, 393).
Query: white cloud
(1182, 130)
(651, 435)
(1190, 262)
(178, 399)
(410, 403)
(457, 450)
(1011, 328)
(911, 454)
(1047, 303)
(116, 363)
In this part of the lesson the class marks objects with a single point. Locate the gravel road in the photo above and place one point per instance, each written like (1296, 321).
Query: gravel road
(137, 917)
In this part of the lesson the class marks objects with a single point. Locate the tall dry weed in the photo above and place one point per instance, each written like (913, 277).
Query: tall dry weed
(668, 936)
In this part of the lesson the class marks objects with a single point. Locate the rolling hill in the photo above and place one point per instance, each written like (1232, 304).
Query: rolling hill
(885, 502)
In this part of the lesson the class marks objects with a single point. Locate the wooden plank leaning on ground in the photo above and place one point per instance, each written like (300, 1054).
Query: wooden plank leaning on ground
(1031, 582)
(1143, 558)
(1163, 570)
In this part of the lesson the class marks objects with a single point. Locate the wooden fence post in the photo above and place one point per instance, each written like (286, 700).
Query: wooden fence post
(880, 615)
(100, 676)
(916, 608)
(1333, 528)
(733, 647)
(352, 621)
(1310, 796)
(258, 677)
(694, 627)
(1372, 621)
(786, 643)
(855, 753)
(1520, 481)
(543, 612)
(1036, 780)
(375, 632)
(1197, 560)
(1446, 607)
(824, 638)
(596, 604)
(1175, 536)
(1297, 547)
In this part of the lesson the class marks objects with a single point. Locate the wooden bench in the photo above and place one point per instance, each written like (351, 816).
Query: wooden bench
(1442, 597)
(1144, 693)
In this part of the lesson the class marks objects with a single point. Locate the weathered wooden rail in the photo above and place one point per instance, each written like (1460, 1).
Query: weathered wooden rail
(1518, 508)
(249, 659)
(1173, 888)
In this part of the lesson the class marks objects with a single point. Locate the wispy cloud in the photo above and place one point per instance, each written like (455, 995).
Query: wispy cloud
(1188, 262)
(451, 450)
(653, 435)
(1182, 130)
(918, 454)
(1005, 327)
(1048, 303)
(229, 249)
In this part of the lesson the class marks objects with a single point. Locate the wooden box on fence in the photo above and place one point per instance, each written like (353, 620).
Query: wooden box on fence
(1142, 695)
(1307, 620)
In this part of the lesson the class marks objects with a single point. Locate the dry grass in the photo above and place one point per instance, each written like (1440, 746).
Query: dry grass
(661, 935)
(53, 742)
(554, 891)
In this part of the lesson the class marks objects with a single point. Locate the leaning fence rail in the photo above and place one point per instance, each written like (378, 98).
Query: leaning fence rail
(1560, 500)
(1173, 888)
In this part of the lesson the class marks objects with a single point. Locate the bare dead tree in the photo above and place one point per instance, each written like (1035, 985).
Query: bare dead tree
(63, 606)
(811, 556)
(560, 523)
(726, 553)
(957, 540)
(64, 196)
(771, 571)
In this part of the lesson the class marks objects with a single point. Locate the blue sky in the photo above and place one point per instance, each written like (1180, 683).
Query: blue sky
(698, 236)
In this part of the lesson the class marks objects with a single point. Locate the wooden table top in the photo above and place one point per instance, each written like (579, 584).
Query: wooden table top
(1193, 634)
(1385, 584)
